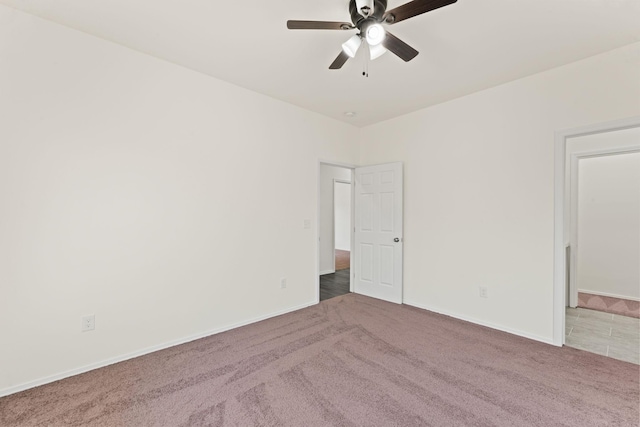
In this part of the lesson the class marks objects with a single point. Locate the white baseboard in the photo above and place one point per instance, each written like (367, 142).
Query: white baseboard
(81, 370)
(605, 294)
(322, 273)
(483, 323)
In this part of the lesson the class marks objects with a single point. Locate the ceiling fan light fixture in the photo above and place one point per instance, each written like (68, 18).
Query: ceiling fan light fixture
(377, 51)
(375, 34)
(367, 17)
(351, 46)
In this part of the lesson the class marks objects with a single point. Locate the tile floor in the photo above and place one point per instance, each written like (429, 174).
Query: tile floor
(607, 334)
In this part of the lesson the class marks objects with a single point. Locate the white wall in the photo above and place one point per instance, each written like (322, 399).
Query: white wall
(608, 257)
(342, 206)
(133, 189)
(479, 188)
(619, 139)
(326, 224)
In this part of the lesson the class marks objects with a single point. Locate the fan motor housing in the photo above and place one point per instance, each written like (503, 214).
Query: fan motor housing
(379, 8)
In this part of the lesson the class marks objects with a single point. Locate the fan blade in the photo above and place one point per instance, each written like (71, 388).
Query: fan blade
(339, 62)
(318, 25)
(400, 48)
(414, 8)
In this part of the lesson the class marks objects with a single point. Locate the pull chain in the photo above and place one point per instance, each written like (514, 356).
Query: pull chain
(367, 55)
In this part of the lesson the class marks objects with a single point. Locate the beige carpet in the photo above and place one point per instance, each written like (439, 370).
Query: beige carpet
(349, 361)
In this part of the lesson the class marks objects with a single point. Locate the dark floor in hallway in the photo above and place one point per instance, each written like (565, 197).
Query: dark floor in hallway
(334, 285)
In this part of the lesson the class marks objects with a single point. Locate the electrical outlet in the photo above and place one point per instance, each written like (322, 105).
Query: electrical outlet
(88, 323)
(307, 224)
(484, 292)
(283, 283)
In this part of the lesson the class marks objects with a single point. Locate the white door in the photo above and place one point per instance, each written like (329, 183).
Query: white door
(378, 236)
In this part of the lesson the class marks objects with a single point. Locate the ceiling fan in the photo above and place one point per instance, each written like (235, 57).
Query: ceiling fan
(367, 16)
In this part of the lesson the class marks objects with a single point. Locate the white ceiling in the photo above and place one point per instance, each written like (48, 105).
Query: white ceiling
(465, 47)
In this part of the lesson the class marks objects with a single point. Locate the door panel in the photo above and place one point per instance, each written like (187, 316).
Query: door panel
(378, 224)
(366, 263)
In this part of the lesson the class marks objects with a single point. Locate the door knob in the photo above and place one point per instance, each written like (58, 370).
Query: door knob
(396, 240)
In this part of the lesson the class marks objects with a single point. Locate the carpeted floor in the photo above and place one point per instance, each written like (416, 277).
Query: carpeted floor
(619, 306)
(342, 260)
(349, 361)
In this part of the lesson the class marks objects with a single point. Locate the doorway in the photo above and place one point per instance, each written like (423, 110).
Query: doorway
(335, 230)
(376, 229)
(561, 214)
(602, 222)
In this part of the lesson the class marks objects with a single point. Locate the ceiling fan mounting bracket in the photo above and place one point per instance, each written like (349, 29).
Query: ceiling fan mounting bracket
(379, 8)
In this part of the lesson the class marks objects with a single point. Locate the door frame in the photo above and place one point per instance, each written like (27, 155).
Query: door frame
(559, 244)
(573, 214)
(352, 167)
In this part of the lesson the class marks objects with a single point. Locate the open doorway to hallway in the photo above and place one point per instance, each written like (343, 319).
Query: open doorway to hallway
(335, 230)
(603, 199)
